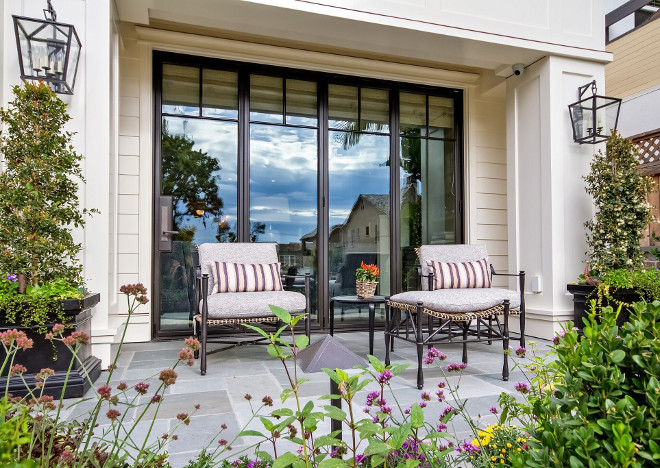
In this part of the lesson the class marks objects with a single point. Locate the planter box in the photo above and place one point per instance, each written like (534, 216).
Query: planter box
(584, 293)
(55, 355)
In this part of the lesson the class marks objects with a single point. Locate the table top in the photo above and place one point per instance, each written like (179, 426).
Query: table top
(355, 299)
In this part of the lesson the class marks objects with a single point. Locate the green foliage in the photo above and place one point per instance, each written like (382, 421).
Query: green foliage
(38, 188)
(604, 410)
(622, 211)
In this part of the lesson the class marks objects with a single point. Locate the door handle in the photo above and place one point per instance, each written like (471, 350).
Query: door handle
(166, 224)
(171, 232)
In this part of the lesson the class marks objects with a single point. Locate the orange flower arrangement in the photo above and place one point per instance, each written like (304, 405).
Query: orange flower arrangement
(368, 273)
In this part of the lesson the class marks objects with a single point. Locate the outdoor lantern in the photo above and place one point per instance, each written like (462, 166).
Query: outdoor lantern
(593, 118)
(48, 50)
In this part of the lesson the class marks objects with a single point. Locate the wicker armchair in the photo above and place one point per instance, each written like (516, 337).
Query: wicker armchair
(453, 314)
(223, 303)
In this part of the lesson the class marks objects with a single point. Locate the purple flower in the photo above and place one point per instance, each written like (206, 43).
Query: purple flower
(522, 387)
(406, 411)
(422, 404)
(441, 427)
(359, 458)
(468, 447)
(520, 351)
(441, 395)
(446, 411)
(371, 396)
(380, 401)
(12, 278)
(385, 409)
(385, 376)
(426, 396)
(455, 366)
(432, 354)
(493, 410)
(374, 419)
(441, 385)
(366, 410)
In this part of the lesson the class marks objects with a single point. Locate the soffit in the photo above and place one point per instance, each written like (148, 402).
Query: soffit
(324, 32)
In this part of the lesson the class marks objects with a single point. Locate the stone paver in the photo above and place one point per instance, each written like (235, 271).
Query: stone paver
(233, 373)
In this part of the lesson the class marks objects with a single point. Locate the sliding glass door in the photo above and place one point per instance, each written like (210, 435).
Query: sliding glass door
(335, 170)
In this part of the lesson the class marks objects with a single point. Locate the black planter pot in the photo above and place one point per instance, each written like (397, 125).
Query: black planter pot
(584, 293)
(55, 355)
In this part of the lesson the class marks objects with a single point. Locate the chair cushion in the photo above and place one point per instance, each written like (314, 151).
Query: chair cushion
(459, 300)
(235, 252)
(246, 277)
(449, 275)
(253, 304)
(449, 253)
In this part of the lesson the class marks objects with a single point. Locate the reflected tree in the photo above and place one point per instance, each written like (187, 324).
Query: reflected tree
(227, 232)
(190, 176)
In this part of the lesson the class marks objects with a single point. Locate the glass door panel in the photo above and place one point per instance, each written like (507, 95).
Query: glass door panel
(283, 203)
(198, 174)
(359, 209)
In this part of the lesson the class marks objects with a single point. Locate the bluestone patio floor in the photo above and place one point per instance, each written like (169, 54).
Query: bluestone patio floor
(249, 369)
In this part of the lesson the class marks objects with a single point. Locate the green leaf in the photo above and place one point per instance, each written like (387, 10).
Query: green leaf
(335, 413)
(250, 433)
(268, 424)
(274, 350)
(376, 447)
(285, 459)
(308, 408)
(255, 328)
(282, 412)
(618, 355)
(324, 441)
(297, 319)
(375, 363)
(416, 416)
(411, 463)
(286, 393)
(332, 463)
(302, 341)
(400, 435)
(342, 375)
(281, 314)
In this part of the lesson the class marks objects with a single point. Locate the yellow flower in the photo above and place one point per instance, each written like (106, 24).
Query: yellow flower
(519, 449)
(493, 458)
(494, 445)
(508, 445)
(503, 450)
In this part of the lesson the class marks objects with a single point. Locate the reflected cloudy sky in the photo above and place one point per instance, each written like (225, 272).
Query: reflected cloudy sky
(283, 175)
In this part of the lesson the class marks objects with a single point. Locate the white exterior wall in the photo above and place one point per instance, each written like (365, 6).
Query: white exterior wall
(547, 198)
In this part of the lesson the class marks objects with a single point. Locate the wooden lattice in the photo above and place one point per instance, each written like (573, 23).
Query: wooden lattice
(649, 152)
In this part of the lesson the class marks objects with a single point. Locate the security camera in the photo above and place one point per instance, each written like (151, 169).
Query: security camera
(518, 68)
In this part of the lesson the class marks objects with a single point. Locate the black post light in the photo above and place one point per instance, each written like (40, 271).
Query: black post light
(329, 353)
(592, 118)
(48, 50)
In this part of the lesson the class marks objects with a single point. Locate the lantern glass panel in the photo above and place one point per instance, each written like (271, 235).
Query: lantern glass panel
(72, 63)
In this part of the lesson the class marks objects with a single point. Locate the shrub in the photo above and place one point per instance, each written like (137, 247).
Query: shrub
(603, 408)
(38, 188)
(622, 211)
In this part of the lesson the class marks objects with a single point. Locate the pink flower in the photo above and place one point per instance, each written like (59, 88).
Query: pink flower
(17, 369)
(193, 343)
(520, 351)
(183, 417)
(112, 414)
(454, 366)
(9, 337)
(58, 328)
(168, 377)
(186, 354)
(522, 387)
(142, 387)
(105, 392)
(44, 374)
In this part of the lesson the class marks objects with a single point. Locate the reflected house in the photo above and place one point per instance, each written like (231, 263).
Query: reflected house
(364, 237)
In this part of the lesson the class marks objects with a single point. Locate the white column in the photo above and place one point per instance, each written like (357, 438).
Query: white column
(547, 203)
(95, 85)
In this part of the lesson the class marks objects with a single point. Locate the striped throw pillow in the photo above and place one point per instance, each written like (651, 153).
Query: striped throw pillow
(460, 275)
(246, 277)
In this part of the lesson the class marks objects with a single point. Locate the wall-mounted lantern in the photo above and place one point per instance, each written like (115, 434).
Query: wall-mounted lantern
(592, 118)
(48, 50)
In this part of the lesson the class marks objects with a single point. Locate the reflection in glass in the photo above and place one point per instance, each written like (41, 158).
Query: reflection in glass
(219, 94)
(301, 103)
(412, 114)
(359, 213)
(375, 110)
(266, 99)
(342, 107)
(441, 117)
(198, 170)
(428, 199)
(283, 203)
(180, 90)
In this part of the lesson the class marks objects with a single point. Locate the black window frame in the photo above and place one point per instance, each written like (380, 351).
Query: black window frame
(244, 70)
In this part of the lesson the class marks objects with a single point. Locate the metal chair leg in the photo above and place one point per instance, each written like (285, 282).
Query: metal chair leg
(420, 346)
(505, 342)
(388, 338)
(465, 325)
(204, 324)
(430, 327)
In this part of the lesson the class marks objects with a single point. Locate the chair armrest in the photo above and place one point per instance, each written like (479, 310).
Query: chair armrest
(494, 273)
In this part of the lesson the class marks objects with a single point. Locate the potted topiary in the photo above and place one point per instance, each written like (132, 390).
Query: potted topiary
(615, 259)
(40, 277)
